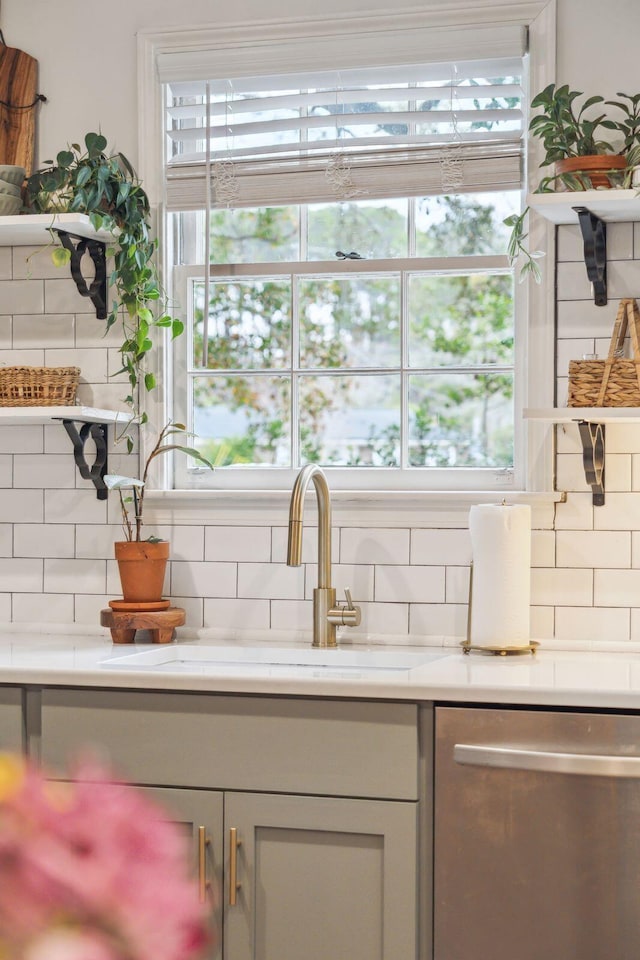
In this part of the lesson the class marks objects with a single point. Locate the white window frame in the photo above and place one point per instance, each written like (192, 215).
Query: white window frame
(535, 389)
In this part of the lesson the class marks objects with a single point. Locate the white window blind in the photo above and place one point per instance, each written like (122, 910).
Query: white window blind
(366, 132)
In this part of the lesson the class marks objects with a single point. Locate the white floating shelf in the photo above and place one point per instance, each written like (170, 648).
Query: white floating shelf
(12, 416)
(611, 206)
(590, 414)
(32, 230)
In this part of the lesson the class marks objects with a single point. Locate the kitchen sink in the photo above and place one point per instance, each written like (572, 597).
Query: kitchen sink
(201, 658)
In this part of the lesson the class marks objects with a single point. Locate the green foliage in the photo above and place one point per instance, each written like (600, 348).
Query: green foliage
(517, 247)
(105, 187)
(566, 130)
(132, 507)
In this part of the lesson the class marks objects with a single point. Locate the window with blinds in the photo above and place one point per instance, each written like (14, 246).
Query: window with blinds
(315, 137)
(340, 260)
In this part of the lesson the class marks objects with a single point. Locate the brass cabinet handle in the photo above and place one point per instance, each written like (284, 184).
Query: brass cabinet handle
(203, 843)
(234, 886)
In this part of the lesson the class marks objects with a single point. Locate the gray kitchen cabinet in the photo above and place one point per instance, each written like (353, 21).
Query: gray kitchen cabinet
(319, 799)
(320, 877)
(11, 723)
(200, 814)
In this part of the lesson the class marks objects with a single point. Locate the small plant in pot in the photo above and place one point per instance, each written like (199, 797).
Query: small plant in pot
(142, 560)
(585, 147)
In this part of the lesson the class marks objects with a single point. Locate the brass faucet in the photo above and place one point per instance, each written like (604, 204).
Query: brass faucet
(326, 613)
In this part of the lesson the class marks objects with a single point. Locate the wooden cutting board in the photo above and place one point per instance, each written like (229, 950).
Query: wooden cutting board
(18, 81)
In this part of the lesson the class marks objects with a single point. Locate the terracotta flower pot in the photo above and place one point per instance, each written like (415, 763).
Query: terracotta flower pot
(142, 567)
(596, 167)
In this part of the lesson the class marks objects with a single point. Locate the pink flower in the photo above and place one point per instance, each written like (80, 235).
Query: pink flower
(95, 864)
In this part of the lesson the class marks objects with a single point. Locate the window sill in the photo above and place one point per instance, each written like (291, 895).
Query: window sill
(353, 508)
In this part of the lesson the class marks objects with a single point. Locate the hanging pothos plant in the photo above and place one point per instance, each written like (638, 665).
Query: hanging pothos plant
(106, 188)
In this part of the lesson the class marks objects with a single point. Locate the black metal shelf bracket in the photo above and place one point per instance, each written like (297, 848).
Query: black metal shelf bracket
(96, 471)
(594, 236)
(96, 289)
(592, 437)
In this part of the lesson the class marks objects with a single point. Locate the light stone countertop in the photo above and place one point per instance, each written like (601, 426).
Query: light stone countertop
(579, 678)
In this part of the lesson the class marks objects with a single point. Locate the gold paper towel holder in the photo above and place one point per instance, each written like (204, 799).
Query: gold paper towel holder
(468, 647)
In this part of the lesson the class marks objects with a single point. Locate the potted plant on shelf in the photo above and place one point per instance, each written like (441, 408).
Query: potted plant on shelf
(142, 560)
(585, 147)
(105, 187)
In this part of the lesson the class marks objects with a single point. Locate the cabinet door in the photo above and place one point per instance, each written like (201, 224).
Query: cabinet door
(199, 812)
(11, 737)
(319, 878)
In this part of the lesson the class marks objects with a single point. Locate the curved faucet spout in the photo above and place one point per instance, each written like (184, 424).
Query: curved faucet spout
(296, 512)
(327, 614)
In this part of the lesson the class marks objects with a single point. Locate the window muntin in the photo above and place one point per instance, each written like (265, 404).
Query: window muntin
(405, 364)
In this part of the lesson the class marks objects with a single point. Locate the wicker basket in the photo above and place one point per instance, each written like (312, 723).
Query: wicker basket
(38, 386)
(614, 382)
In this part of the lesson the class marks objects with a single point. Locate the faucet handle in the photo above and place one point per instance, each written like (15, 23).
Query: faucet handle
(345, 615)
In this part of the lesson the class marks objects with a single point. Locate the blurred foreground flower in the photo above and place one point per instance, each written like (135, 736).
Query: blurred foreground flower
(91, 870)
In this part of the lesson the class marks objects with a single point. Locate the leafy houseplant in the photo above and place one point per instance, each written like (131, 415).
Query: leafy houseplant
(105, 187)
(578, 143)
(142, 561)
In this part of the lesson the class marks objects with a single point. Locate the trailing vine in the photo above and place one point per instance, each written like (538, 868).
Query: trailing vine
(106, 188)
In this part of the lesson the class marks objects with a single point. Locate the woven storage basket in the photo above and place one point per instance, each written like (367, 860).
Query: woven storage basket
(614, 382)
(38, 386)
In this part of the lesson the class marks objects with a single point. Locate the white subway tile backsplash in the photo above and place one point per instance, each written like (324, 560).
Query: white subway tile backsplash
(409, 584)
(207, 579)
(573, 283)
(21, 439)
(288, 615)
(379, 619)
(543, 548)
(26, 506)
(576, 513)
(457, 584)
(440, 547)
(18, 297)
(54, 471)
(542, 622)
(279, 537)
(621, 511)
(77, 506)
(21, 575)
(87, 607)
(616, 588)
(438, 619)
(237, 614)
(556, 587)
(74, 576)
(6, 272)
(383, 546)
(590, 548)
(94, 541)
(32, 330)
(6, 471)
(243, 544)
(193, 610)
(60, 296)
(592, 623)
(6, 328)
(43, 608)
(269, 581)
(356, 577)
(43, 540)
(6, 540)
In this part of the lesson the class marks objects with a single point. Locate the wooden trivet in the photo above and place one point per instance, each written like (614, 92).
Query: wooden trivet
(161, 623)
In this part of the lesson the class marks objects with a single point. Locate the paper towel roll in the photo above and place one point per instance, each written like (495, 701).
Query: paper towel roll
(501, 595)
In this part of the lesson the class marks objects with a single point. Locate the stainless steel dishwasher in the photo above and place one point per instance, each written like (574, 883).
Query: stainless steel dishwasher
(537, 835)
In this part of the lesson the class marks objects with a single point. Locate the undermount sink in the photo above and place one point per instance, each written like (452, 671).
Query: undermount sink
(200, 658)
